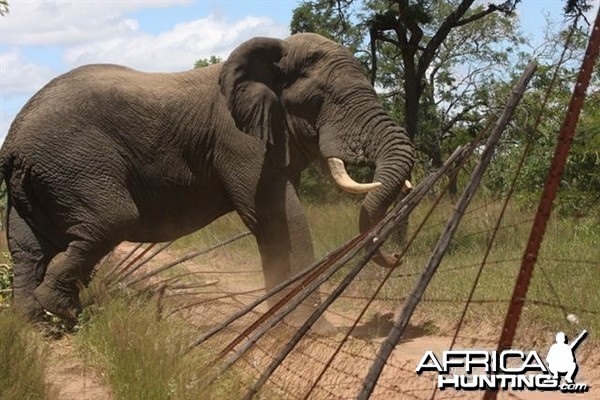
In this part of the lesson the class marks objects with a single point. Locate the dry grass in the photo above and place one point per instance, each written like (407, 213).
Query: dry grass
(142, 355)
(22, 360)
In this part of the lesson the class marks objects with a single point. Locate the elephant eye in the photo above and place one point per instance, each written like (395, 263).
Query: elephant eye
(304, 99)
(308, 108)
(315, 101)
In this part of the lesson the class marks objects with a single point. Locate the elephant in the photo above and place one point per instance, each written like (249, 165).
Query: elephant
(105, 154)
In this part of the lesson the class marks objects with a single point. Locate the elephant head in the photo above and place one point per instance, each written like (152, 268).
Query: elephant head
(307, 96)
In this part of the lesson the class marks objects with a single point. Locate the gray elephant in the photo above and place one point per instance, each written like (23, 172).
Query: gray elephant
(104, 154)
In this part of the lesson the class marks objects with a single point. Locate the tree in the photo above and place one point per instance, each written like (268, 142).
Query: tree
(433, 60)
(205, 62)
(418, 32)
(3, 7)
(580, 182)
(412, 33)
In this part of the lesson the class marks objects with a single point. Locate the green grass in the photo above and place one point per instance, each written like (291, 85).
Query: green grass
(332, 224)
(565, 274)
(142, 355)
(22, 360)
(222, 229)
(565, 279)
(139, 355)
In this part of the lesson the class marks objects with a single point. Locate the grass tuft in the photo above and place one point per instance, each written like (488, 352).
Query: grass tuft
(143, 356)
(22, 359)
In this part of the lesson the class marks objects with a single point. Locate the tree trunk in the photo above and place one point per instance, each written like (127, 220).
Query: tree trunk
(412, 92)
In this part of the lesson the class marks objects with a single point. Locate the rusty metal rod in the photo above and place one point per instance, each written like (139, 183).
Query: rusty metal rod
(382, 231)
(126, 272)
(186, 258)
(557, 165)
(109, 274)
(403, 317)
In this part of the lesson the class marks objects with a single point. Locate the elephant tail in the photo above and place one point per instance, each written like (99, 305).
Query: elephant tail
(6, 162)
(5, 203)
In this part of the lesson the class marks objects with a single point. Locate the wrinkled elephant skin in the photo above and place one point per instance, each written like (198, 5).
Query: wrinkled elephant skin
(104, 154)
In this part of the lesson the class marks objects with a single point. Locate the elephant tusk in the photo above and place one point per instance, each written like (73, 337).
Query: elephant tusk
(344, 181)
(407, 187)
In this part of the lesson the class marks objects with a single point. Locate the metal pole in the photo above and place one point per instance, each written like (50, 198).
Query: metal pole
(550, 189)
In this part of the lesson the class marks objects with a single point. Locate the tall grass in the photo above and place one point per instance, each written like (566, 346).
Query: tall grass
(222, 229)
(565, 280)
(143, 356)
(22, 360)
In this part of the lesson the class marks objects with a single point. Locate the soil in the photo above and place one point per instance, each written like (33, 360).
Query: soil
(69, 377)
(342, 380)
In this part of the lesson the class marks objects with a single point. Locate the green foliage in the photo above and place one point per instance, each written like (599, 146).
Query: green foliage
(6, 277)
(22, 359)
(580, 184)
(334, 21)
(3, 7)
(582, 174)
(205, 62)
(452, 76)
(305, 19)
(577, 6)
(467, 80)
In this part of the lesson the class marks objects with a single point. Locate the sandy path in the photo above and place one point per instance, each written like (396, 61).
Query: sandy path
(236, 274)
(69, 377)
(344, 377)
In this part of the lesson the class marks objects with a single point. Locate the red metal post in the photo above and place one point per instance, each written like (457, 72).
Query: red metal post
(550, 189)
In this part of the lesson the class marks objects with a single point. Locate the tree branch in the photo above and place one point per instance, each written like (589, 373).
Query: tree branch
(441, 34)
(491, 8)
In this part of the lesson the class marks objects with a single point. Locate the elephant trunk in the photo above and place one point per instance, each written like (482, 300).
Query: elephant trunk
(371, 137)
(392, 168)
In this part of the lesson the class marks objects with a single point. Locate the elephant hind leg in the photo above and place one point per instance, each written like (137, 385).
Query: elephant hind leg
(66, 275)
(31, 254)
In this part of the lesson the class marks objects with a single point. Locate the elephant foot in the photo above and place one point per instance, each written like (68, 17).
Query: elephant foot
(324, 328)
(26, 305)
(321, 327)
(58, 300)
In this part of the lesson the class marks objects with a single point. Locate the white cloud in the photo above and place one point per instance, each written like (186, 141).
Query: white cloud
(19, 76)
(6, 119)
(176, 49)
(91, 31)
(68, 22)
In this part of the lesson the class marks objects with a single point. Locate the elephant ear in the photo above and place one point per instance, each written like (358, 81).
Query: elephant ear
(251, 82)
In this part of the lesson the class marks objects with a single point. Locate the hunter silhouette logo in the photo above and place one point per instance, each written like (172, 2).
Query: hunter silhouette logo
(509, 369)
(561, 356)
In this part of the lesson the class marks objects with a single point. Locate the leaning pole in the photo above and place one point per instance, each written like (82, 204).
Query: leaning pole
(549, 194)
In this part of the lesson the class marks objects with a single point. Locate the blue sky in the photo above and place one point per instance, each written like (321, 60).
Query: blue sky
(40, 39)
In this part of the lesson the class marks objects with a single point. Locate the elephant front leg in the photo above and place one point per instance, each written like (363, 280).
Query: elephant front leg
(66, 275)
(285, 245)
